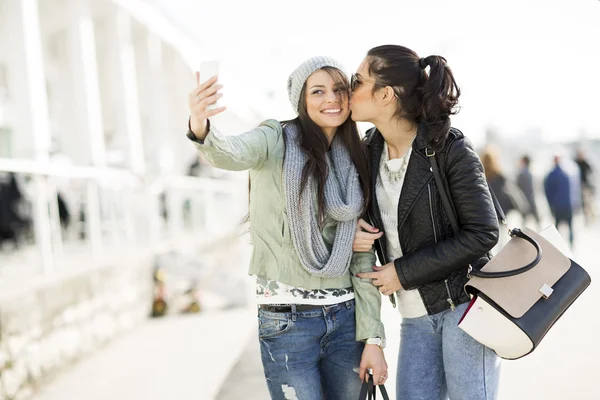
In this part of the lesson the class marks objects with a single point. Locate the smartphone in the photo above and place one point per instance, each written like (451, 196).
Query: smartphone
(208, 69)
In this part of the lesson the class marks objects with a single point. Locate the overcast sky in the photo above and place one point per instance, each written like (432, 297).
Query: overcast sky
(521, 65)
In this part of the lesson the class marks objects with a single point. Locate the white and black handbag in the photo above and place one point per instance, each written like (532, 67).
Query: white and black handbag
(517, 296)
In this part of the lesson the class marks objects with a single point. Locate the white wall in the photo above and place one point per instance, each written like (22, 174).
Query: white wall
(162, 86)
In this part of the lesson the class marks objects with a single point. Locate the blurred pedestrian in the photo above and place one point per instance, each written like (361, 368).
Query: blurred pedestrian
(309, 185)
(525, 184)
(559, 188)
(12, 221)
(509, 195)
(587, 185)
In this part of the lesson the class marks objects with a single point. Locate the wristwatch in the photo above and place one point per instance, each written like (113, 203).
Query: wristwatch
(378, 341)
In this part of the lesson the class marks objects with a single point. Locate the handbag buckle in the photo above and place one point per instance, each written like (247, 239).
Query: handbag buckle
(546, 291)
(429, 153)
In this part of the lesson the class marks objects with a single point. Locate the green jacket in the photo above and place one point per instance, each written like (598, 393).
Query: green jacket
(261, 150)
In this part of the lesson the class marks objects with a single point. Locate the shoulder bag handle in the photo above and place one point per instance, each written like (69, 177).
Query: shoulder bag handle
(368, 390)
(501, 216)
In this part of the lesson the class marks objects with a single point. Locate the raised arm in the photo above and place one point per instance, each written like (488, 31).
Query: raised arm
(234, 153)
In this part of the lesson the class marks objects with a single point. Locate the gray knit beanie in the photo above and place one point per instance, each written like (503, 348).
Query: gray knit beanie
(301, 74)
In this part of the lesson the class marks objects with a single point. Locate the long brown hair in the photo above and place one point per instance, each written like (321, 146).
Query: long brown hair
(314, 144)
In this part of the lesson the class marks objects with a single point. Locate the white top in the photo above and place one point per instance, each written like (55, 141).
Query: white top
(410, 304)
(274, 292)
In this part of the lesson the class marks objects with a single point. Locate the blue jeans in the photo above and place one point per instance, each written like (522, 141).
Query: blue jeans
(438, 360)
(311, 355)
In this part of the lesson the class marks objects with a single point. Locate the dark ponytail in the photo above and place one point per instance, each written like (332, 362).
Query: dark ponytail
(440, 97)
(428, 98)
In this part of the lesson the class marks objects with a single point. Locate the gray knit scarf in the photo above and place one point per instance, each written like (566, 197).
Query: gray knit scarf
(343, 203)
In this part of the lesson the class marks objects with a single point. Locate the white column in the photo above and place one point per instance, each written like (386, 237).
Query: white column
(159, 144)
(160, 106)
(84, 69)
(37, 96)
(37, 103)
(122, 42)
(87, 104)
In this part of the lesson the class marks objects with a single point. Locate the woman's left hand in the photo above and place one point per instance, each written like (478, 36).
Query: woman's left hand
(364, 239)
(373, 358)
(385, 278)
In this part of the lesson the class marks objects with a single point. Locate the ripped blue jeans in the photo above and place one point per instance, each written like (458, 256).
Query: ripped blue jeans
(311, 355)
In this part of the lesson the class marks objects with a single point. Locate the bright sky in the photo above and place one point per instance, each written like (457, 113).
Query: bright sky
(521, 64)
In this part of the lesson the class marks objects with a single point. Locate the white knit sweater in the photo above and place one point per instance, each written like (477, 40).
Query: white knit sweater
(410, 304)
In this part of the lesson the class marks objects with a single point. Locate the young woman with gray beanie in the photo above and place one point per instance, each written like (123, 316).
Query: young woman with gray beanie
(319, 325)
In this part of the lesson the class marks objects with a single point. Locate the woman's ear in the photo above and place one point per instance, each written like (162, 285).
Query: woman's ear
(388, 95)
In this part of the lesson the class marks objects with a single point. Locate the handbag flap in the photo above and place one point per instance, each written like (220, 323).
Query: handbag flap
(517, 294)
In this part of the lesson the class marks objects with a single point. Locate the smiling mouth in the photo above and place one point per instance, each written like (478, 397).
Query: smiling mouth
(332, 111)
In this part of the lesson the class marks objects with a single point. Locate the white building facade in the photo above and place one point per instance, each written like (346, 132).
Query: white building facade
(93, 101)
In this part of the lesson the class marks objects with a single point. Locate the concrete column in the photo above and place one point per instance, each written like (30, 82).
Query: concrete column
(161, 107)
(87, 106)
(123, 45)
(84, 71)
(37, 97)
(37, 105)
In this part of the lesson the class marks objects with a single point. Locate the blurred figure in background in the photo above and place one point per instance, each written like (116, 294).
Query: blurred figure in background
(560, 190)
(587, 187)
(509, 196)
(12, 221)
(525, 184)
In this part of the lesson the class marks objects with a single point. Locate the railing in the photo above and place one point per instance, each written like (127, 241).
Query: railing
(122, 210)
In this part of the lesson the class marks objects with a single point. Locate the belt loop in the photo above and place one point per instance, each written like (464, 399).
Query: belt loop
(348, 305)
(294, 312)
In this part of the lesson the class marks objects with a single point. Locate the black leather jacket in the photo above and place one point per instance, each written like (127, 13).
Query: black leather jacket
(435, 261)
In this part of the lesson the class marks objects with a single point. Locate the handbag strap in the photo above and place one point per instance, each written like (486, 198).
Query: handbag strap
(446, 199)
(368, 391)
(501, 216)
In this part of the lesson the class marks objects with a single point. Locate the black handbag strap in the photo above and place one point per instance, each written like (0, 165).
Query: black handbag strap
(446, 198)
(501, 216)
(368, 390)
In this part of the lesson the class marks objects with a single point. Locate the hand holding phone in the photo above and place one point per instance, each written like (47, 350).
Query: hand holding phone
(202, 100)
(209, 69)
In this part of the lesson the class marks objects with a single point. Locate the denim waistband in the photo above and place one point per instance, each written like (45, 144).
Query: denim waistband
(317, 312)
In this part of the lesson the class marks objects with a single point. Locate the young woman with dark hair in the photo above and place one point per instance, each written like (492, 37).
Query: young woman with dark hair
(319, 325)
(410, 100)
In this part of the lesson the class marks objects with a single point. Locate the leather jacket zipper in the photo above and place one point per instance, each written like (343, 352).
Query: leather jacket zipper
(450, 301)
(431, 211)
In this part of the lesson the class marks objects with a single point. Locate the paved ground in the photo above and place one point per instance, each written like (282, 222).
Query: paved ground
(175, 358)
(215, 356)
